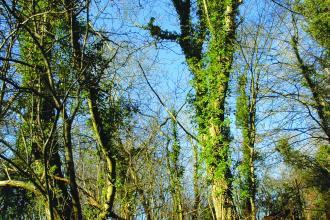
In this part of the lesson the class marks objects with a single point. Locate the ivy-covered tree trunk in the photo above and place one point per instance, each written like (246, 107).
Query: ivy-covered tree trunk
(220, 20)
(245, 119)
(176, 173)
(103, 136)
(106, 148)
(211, 84)
(313, 78)
(196, 207)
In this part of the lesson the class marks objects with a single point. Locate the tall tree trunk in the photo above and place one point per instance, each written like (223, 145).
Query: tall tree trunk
(251, 150)
(221, 17)
(245, 120)
(211, 83)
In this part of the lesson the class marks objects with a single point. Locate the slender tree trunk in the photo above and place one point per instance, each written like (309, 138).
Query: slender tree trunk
(101, 137)
(252, 188)
(251, 177)
(66, 201)
(175, 171)
(196, 184)
(70, 167)
(105, 146)
(245, 119)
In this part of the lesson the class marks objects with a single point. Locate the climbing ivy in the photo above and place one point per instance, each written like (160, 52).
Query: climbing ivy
(216, 27)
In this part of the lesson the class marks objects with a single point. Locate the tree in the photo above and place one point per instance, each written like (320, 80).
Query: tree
(211, 84)
(37, 47)
(176, 172)
(316, 170)
(56, 96)
(316, 13)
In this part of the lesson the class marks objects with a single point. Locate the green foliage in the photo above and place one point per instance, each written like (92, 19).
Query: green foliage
(16, 203)
(90, 212)
(242, 105)
(323, 156)
(246, 187)
(213, 82)
(283, 199)
(315, 170)
(317, 14)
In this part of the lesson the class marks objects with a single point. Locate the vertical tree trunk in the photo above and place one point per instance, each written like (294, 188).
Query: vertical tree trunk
(245, 120)
(77, 212)
(196, 184)
(210, 83)
(176, 171)
(221, 18)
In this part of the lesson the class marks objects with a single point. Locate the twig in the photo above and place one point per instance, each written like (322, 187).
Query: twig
(163, 104)
(285, 7)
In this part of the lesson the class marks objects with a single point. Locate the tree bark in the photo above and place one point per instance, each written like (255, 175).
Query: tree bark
(105, 147)
(70, 167)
